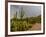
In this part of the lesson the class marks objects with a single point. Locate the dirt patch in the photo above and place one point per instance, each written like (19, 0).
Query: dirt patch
(36, 26)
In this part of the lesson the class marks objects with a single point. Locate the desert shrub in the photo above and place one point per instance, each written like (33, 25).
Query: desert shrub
(19, 26)
(25, 25)
(30, 26)
(32, 22)
(12, 26)
(22, 26)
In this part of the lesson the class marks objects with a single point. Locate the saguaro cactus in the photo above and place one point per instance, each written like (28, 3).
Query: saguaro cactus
(21, 13)
(16, 15)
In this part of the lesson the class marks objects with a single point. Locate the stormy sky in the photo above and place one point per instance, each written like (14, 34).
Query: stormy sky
(29, 11)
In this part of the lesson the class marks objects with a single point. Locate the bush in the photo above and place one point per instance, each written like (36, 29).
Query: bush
(24, 24)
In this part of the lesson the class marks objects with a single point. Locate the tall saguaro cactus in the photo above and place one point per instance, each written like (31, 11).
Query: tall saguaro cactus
(16, 14)
(21, 13)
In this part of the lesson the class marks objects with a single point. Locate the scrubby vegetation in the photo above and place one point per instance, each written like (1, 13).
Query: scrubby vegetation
(23, 24)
